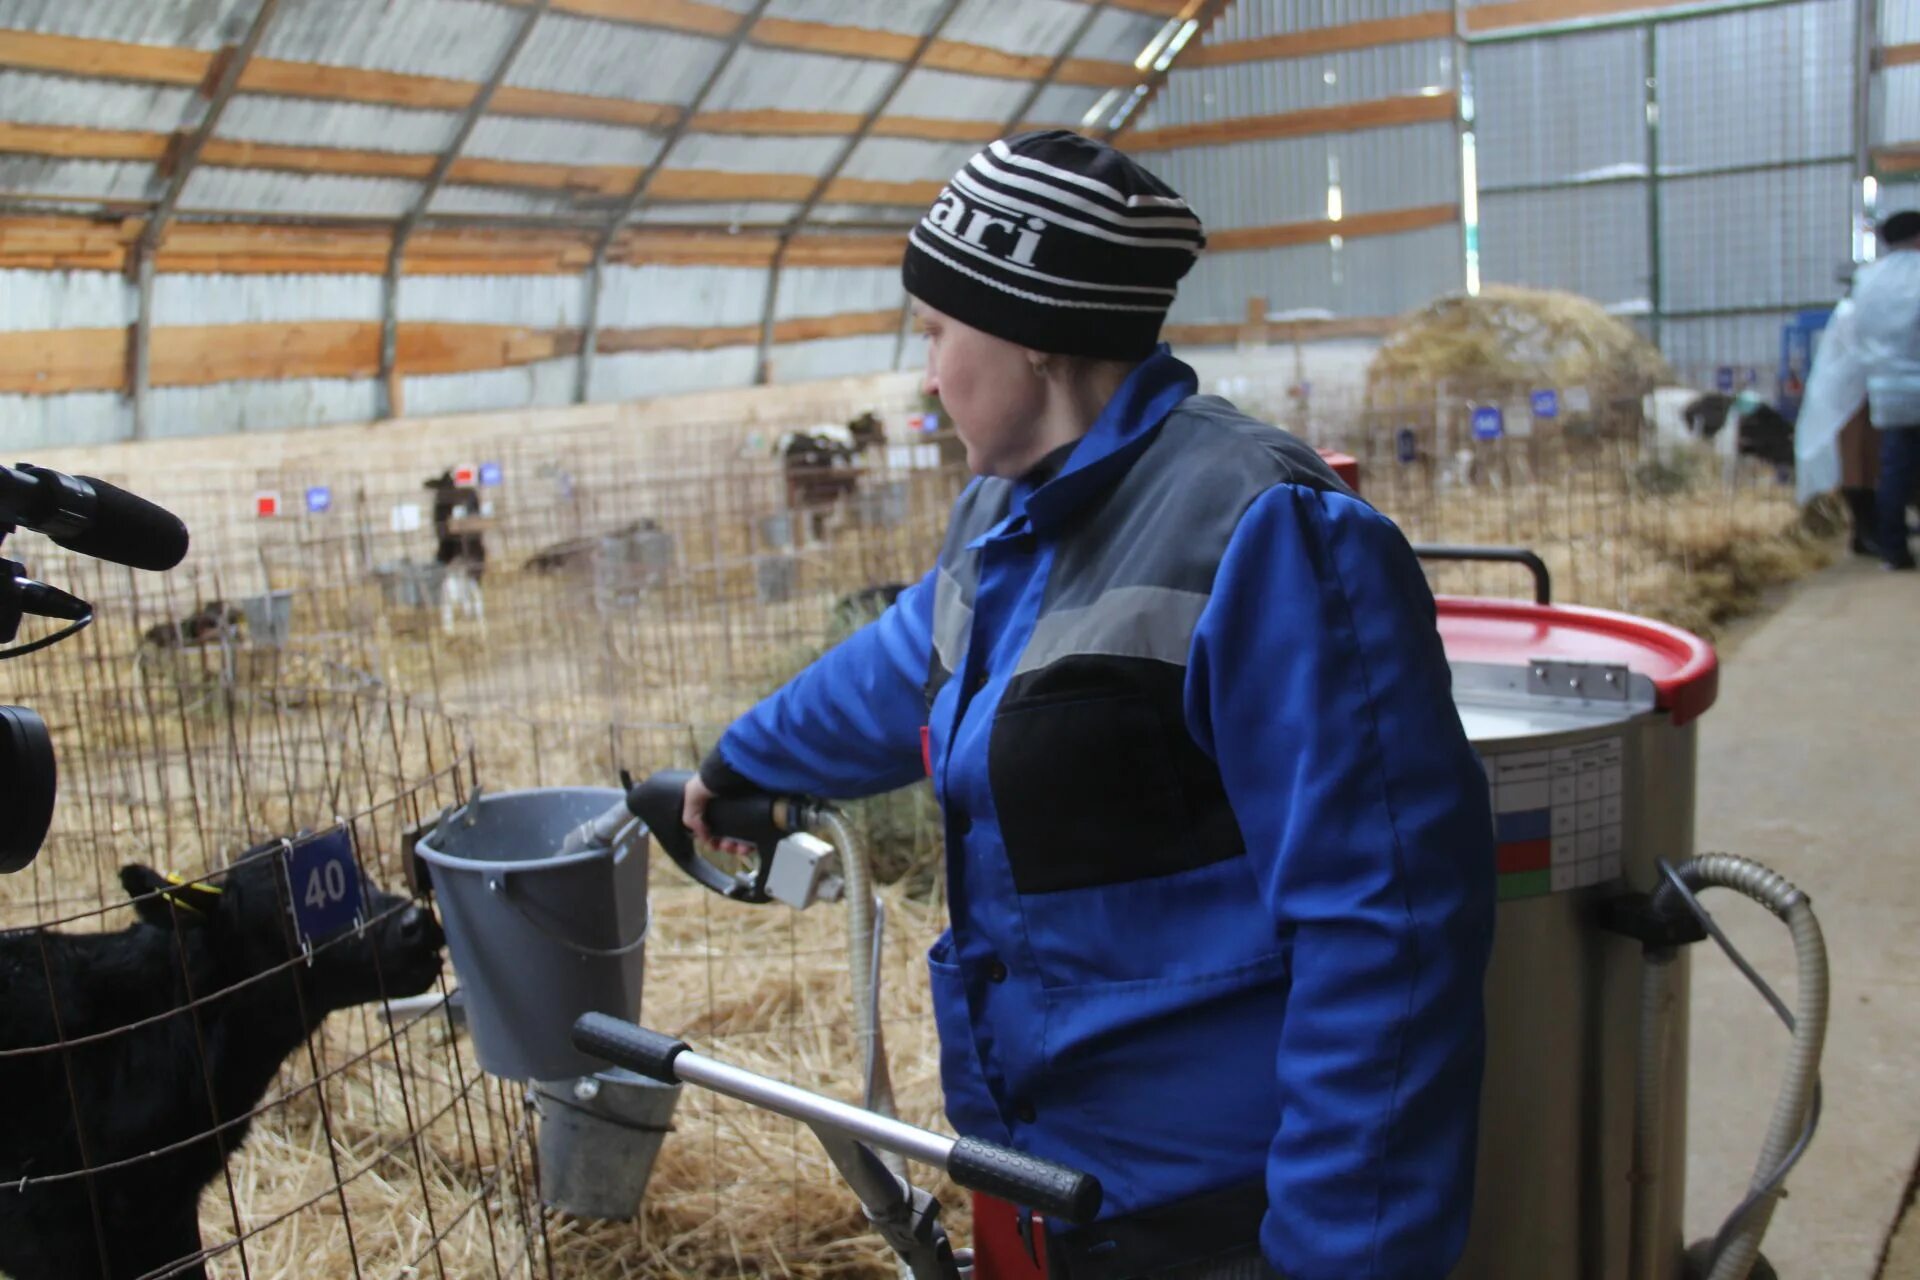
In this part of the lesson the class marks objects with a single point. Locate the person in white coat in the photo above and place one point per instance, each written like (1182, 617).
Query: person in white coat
(1886, 306)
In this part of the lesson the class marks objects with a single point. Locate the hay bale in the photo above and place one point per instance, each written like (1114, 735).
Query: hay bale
(1523, 338)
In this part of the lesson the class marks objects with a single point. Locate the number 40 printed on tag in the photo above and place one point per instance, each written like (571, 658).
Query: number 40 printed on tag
(325, 879)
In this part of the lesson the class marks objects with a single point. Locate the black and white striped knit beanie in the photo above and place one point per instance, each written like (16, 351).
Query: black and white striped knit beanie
(1058, 243)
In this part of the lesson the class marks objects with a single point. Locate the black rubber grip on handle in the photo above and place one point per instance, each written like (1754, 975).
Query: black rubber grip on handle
(1053, 1189)
(625, 1045)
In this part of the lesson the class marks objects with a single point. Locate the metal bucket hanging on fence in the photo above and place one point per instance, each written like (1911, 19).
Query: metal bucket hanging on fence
(539, 938)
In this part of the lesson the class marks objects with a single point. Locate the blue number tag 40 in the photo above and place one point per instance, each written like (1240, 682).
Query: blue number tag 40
(325, 881)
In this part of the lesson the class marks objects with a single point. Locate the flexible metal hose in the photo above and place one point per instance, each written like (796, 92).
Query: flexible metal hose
(1650, 1110)
(864, 966)
(1778, 894)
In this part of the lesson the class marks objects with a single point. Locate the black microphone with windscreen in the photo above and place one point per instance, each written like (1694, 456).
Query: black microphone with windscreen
(92, 517)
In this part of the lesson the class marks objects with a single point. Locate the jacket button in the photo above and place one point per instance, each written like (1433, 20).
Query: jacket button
(1024, 1113)
(960, 821)
(996, 972)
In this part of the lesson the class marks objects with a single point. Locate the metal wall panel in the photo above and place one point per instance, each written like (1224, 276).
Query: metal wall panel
(461, 39)
(1253, 184)
(645, 374)
(304, 122)
(579, 55)
(544, 384)
(456, 197)
(760, 78)
(948, 95)
(1899, 194)
(260, 406)
(64, 300)
(1410, 167)
(1295, 84)
(543, 302)
(1385, 275)
(1294, 278)
(831, 358)
(195, 24)
(1771, 238)
(261, 191)
(826, 291)
(1697, 348)
(1252, 19)
(243, 299)
(1757, 87)
(908, 159)
(26, 98)
(1546, 110)
(1899, 22)
(640, 297)
(30, 423)
(1897, 105)
(560, 142)
(1590, 241)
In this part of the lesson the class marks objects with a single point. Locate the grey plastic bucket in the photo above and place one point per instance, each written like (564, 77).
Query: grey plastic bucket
(537, 938)
(599, 1138)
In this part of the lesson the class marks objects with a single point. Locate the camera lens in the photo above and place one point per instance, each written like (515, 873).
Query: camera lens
(26, 758)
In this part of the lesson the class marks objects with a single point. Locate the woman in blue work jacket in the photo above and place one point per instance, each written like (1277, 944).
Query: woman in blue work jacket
(1219, 855)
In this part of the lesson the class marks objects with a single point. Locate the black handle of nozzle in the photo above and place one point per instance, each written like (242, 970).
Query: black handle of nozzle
(635, 1048)
(1018, 1178)
(1542, 580)
(760, 818)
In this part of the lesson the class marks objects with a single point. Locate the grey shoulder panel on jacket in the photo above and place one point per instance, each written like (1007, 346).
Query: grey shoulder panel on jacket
(1206, 432)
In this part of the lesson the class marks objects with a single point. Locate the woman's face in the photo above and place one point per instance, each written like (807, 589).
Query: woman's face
(988, 387)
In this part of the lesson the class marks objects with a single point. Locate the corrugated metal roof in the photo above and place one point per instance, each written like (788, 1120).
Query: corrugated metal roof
(198, 24)
(947, 95)
(546, 383)
(831, 358)
(303, 122)
(1755, 239)
(260, 406)
(32, 99)
(1897, 105)
(259, 191)
(1064, 103)
(578, 55)
(1591, 242)
(219, 299)
(900, 215)
(717, 214)
(1748, 88)
(23, 176)
(907, 159)
(731, 154)
(642, 297)
(1556, 108)
(456, 197)
(1251, 19)
(55, 422)
(782, 78)
(1024, 27)
(64, 300)
(542, 302)
(908, 17)
(461, 39)
(826, 291)
(560, 142)
(1119, 35)
(643, 374)
(1295, 84)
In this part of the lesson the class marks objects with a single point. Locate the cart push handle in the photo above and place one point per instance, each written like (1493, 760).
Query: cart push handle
(1052, 1189)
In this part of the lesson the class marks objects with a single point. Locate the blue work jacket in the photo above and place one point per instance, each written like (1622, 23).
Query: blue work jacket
(1219, 855)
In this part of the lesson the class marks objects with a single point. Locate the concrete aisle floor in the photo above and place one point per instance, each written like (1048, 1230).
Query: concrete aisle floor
(1810, 762)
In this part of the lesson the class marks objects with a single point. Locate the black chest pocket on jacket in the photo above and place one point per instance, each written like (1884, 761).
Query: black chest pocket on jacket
(1089, 791)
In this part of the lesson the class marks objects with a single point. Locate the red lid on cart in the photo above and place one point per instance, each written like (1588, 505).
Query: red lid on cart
(1681, 666)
